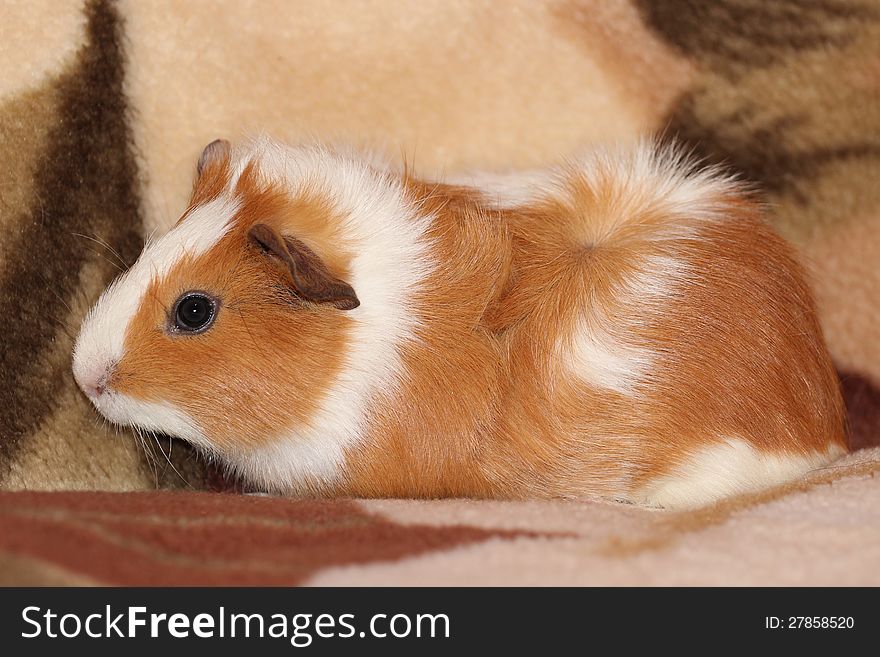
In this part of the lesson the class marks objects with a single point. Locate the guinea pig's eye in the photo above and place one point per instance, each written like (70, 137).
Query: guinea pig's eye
(194, 312)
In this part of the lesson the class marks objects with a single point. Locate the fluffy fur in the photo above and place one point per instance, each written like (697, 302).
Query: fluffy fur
(601, 328)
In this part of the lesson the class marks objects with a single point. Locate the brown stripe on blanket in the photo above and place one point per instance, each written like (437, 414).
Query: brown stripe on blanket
(762, 149)
(729, 34)
(166, 538)
(84, 184)
(72, 224)
(801, 99)
(768, 153)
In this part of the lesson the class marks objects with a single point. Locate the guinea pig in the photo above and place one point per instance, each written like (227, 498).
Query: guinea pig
(624, 325)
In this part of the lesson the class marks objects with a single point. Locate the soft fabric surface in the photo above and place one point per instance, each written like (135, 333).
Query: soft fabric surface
(104, 107)
(825, 530)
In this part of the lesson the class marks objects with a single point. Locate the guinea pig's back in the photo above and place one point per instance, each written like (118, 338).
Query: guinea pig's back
(684, 358)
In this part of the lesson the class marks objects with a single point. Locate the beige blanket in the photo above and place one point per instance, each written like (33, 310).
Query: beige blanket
(104, 107)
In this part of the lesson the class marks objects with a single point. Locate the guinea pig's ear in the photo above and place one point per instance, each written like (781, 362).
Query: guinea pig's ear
(214, 152)
(310, 277)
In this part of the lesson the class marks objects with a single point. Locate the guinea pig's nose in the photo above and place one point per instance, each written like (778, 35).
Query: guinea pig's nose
(92, 380)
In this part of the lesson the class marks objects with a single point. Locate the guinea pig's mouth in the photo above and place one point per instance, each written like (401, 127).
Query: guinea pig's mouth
(158, 417)
(113, 405)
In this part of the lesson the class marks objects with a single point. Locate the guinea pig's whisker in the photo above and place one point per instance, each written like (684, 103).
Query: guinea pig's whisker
(168, 458)
(106, 245)
(105, 259)
(121, 265)
(51, 287)
(155, 298)
(160, 302)
(60, 298)
(248, 329)
(64, 327)
(149, 455)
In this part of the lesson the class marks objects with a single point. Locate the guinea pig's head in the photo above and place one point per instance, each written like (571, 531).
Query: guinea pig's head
(262, 324)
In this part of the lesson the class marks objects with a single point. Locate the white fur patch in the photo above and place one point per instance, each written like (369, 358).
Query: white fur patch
(597, 357)
(646, 175)
(101, 341)
(392, 259)
(605, 349)
(150, 416)
(509, 189)
(728, 468)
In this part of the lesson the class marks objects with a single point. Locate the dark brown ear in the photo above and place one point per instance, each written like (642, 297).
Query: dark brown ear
(310, 277)
(214, 152)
